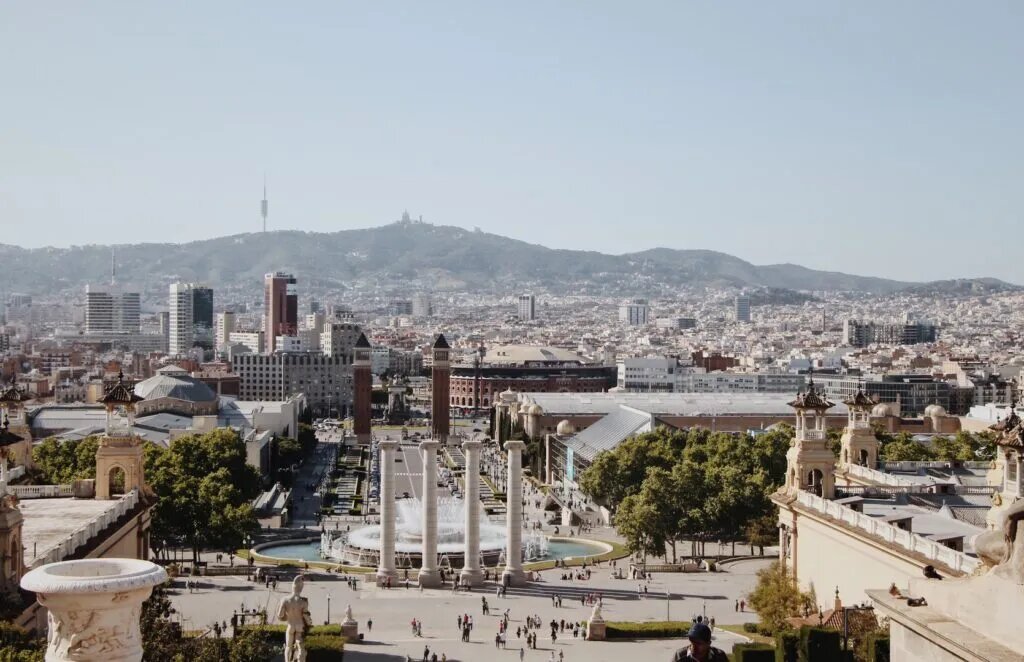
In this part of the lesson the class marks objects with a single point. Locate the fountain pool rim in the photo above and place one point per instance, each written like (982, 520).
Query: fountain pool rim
(600, 547)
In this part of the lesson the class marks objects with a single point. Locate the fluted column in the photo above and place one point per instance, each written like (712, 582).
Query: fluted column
(471, 572)
(514, 574)
(429, 576)
(386, 565)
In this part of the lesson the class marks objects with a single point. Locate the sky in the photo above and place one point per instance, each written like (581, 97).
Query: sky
(879, 138)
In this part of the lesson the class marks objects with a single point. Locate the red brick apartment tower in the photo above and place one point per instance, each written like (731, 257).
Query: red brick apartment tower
(441, 390)
(362, 390)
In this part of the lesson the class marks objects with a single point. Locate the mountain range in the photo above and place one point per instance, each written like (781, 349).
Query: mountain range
(441, 258)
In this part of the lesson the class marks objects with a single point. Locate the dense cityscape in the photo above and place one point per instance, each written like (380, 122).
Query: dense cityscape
(549, 332)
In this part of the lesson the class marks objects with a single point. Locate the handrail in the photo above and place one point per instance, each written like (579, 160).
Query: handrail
(40, 491)
(930, 549)
(83, 534)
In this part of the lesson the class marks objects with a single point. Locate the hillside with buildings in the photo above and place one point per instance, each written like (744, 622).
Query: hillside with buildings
(445, 258)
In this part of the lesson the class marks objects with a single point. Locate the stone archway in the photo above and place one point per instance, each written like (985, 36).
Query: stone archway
(117, 480)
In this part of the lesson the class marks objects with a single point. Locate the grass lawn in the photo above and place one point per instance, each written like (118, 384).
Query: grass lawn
(753, 636)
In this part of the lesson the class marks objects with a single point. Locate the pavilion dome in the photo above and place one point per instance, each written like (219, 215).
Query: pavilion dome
(175, 386)
(565, 429)
(934, 410)
(881, 409)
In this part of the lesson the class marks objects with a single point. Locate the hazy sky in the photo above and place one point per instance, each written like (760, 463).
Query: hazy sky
(881, 138)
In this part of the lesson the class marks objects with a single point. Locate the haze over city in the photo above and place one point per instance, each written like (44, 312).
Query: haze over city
(815, 133)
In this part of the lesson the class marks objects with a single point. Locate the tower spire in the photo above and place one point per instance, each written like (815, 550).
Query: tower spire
(264, 205)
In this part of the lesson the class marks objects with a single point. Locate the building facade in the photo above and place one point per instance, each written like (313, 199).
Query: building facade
(635, 313)
(111, 309)
(180, 307)
(527, 307)
(281, 308)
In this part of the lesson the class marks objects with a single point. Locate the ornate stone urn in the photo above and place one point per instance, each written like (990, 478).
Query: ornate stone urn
(94, 607)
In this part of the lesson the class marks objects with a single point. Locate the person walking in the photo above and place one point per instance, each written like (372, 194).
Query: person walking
(522, 654)
(700, 648)
(369, 625)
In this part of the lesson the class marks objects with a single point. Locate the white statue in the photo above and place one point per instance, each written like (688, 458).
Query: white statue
(294, 611)
(595, 615)
(348, 614)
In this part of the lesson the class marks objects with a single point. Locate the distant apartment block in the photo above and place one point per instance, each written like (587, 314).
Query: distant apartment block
(861, 334)
(111, 309)
(742, 308)
(635, 313)
(527, 307)
(281, 308)
(674, 323)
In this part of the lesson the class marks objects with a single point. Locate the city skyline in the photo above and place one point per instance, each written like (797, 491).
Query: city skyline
(854, 136)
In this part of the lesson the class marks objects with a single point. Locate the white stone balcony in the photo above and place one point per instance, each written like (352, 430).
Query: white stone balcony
(891, 534)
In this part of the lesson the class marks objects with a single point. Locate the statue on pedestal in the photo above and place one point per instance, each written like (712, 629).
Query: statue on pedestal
(294, 611)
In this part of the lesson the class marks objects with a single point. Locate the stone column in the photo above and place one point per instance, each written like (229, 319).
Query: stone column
(514, 574)
(94, 607)
(429, 577)
(471, 572)
(386, 565)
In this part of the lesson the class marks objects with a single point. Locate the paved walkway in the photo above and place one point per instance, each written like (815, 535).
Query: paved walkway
(392, 611)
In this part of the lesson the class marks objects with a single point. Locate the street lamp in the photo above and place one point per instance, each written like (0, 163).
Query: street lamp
(328, 621)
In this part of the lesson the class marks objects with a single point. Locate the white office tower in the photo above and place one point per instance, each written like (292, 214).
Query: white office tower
(111, 309)
(180, 308)
(527, 307)
(421, 306)
(635, 313)
(742, 308)
(224, 326)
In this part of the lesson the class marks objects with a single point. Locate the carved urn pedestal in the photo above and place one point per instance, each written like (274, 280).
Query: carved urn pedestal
(94, 607)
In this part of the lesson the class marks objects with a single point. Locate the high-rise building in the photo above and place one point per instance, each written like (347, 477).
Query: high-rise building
(281, 308)
(742, 308)
(635, 313)
(527, 307)
(861, 334)
(202, 316)
(111, 309)
(421, 306)
(180, 306)
(164, 319)
(224, 327)
(314, 306)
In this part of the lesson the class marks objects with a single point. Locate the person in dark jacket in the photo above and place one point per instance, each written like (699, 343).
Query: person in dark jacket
(700, 648)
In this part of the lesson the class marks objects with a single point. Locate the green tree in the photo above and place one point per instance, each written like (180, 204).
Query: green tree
(204, 490)
(60, 462)
(776, 597)
(637, 522)
(762, 532)
(902, 447)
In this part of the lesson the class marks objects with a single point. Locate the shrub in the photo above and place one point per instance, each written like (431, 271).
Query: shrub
(753, 653)
(277, 631)
(878, 647)
(750, 627)
(787, 643)
(819, 645)
(646, 630)
(324, 648)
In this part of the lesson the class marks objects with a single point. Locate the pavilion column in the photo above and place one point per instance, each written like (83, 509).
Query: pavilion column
(471, 574)
(386, 565)
(514, 574)
(429, 576)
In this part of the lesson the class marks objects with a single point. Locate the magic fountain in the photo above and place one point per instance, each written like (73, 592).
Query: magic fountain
(362, 546)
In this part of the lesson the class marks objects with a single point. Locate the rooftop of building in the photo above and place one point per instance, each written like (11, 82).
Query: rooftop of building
(50, 521)
(179, 386)
(530, 354)
(667, 404)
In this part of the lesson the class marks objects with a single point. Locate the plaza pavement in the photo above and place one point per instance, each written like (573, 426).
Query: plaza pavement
(392, 610)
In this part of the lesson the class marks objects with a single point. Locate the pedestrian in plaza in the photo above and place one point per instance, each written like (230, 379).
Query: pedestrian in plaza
(426, 653)
(743, 605)
(522, 654)
(369, 625)
(700, 648)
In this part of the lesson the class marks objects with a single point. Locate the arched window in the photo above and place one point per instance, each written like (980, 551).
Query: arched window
(116, 480)
(814, 477)
(863, 457)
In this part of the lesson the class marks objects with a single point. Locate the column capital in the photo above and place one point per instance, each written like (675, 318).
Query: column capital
(388, 444)
(430, 445)
(515, 445)
(471, 445)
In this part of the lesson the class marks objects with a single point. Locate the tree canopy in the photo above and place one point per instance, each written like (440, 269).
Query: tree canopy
(60, 462)
(669, 486)
(204, 489)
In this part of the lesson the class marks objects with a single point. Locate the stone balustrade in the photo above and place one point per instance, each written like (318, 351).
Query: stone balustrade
(879, 477)
(911, 466)
(40, 491)
(89, 530)
(891, 534)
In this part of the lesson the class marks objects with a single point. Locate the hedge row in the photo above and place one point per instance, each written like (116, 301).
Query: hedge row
(753, 653)
(277, 631)
(647, 630)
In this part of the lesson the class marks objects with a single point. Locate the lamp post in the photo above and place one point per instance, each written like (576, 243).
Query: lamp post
(328, 621)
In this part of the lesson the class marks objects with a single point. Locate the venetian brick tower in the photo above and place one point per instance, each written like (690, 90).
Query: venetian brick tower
(441, 390)
(362, 383)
